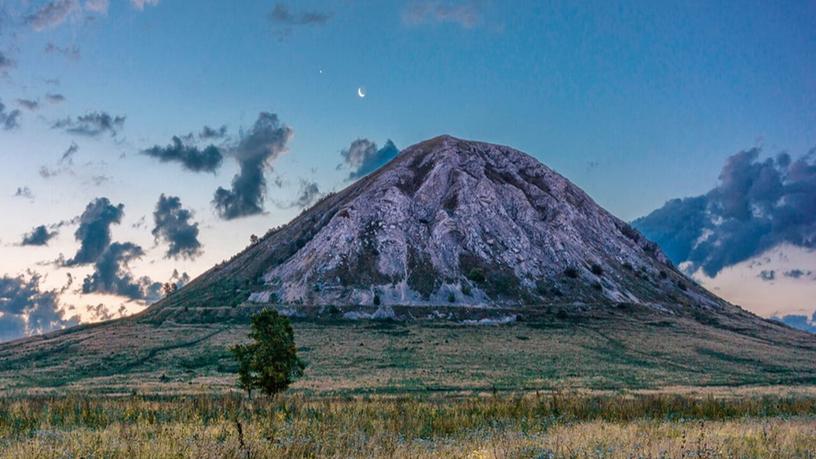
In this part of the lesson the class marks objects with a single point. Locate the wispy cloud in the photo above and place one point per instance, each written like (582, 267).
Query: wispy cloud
(467, 14)
(6, 63)
(24, 192)
(54, 98)
(92, 124)
(283, 20)
(28, 104)
(141, 4)
(97, 6)
(70, 52)
(51, 14)
(9, 119)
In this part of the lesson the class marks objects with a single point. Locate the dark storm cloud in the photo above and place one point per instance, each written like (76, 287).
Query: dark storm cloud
(28, 104)
(9, 119)
(51, 14)
(69, 52)
(94, 232)
(92, 124)
(467, 14)
(262, 144)
(190, 157)
(112, 274)
(363, 157)
(38, 236)
(208, 133)
(757, 205)
(800, 322)
(28, 310)
(54, 98)
(173, 224)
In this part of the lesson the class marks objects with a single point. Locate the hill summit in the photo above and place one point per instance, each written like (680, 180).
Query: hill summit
(462, 223)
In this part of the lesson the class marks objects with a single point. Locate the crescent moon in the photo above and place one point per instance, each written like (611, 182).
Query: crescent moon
(361, 92)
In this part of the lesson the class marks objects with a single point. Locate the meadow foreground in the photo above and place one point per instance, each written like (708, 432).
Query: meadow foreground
(540, 425)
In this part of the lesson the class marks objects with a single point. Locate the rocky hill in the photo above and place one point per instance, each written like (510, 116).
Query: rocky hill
(454, 222)
(447, 238)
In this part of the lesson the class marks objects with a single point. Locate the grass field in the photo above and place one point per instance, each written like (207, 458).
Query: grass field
(601, 349)
(586, 382)
(543, 425)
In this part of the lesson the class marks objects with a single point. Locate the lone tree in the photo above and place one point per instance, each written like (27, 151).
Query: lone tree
(270, 362)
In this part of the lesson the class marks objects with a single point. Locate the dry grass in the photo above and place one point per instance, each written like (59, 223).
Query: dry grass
(532, 426)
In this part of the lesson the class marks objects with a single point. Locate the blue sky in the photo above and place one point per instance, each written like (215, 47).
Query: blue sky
(636, 102)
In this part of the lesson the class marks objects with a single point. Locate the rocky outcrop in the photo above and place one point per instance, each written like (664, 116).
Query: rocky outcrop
(454, 222)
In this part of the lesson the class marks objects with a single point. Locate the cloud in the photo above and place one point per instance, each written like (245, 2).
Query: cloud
(467, 14)
(28, 104)
(68, 155)
(208, 133)
(363, 157)
(26, 310)
(98, 180)
(97, 6)
(800, 322)
(190, 157)
(6, 63)
(140, 4)
(23, 192)
(99, 313)
(49, 172)
(64, 164)
(797, 273)
(51, 14)
(55, 98)
(112, 274)
(757, 205)
(174, 225)
(256, 149)
(94, 232)
(9, 119)
(179, 280)
(308, 195)
(767, 275)
(68, 52)
(38, 236)
(284, 20)
(92, 124)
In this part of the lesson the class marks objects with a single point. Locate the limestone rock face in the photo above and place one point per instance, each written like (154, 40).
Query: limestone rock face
(455, 222)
